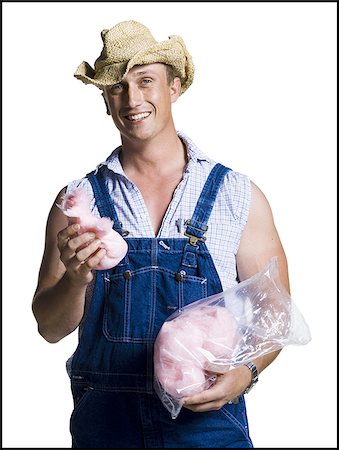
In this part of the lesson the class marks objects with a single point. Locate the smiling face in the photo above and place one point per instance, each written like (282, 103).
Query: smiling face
(140, 105)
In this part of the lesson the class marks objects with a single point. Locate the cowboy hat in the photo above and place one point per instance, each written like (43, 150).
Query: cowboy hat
(130, 43)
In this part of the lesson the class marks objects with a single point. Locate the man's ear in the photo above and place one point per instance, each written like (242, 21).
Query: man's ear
(175, 89)
(107, 107)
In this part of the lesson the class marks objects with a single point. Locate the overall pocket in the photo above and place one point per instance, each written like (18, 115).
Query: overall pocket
(137, 302)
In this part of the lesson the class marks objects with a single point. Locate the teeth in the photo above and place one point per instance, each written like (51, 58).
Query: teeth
(138, 116)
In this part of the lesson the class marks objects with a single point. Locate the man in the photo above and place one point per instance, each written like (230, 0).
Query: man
(193, 227)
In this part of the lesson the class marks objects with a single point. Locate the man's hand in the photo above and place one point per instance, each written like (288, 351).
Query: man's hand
(228, 387)
(79, 254)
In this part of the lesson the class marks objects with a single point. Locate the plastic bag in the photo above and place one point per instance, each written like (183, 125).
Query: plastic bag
(217, 333)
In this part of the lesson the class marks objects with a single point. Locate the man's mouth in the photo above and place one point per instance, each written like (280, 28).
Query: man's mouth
(136, 117)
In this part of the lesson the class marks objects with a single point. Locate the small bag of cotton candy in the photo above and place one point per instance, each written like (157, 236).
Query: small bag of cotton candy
(76, 206)
(218, 333)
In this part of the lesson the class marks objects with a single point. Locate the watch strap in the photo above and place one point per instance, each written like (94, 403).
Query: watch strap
(255, 376)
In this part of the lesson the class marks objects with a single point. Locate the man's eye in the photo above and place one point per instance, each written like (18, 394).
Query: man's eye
(116, 87)
(146, 81)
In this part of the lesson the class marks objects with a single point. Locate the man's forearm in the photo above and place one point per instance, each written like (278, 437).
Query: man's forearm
(59, 309)
(264, 361)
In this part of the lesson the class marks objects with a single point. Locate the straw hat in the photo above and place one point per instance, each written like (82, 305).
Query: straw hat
(130, 43)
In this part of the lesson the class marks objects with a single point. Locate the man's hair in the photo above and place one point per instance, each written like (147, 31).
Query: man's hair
(170, 72)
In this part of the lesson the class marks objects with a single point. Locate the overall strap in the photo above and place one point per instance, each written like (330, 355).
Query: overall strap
(197, 225)
(103, 199)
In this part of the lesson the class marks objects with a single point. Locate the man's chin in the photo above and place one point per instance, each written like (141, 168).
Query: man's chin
(138, 136)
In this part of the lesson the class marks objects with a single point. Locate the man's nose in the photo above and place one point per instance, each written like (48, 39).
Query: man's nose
(134, 96)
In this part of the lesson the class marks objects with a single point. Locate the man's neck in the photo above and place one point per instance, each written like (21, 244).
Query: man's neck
(160, 155)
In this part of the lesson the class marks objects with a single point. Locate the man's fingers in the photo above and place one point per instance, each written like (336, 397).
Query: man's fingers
(65, 235)
(70, 245)
(79, 253)
(79, 242)
(84, 257)
(85, 253)
(93, 260)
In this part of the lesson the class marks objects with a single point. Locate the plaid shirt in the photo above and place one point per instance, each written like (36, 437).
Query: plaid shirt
(226, 223)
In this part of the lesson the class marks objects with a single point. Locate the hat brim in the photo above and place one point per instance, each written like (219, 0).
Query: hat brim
(171, 52)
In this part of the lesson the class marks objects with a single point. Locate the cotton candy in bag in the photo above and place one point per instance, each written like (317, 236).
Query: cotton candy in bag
(219, 332)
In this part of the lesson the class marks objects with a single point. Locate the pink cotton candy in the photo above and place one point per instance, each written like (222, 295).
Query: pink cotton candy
(220, 330)
(182, 380)
(187, 345)
(177, 343)
(176, 366)
(76, 206)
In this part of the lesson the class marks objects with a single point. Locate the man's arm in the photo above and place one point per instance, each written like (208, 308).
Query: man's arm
(259, 243)
(65, 272)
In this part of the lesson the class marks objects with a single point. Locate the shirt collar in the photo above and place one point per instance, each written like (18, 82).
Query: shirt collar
(195, 155)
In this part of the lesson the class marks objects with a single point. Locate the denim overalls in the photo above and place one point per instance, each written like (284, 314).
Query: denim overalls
(115, 405)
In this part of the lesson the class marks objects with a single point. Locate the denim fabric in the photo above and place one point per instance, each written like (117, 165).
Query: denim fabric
(115, 405)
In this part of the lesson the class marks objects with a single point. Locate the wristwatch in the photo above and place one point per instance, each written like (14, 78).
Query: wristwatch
(255, 376)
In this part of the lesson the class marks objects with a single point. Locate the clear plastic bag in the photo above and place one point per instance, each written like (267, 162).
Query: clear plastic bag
(217, 333)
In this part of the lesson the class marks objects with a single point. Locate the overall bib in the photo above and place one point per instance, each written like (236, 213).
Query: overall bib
(115, 404)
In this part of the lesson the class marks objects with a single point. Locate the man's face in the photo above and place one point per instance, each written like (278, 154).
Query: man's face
(140, 104)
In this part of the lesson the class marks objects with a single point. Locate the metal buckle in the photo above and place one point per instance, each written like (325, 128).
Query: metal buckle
(124, 232)
(188, 222)
(193, 239)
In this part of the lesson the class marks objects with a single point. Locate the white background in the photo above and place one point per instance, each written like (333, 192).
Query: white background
(263, 102)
